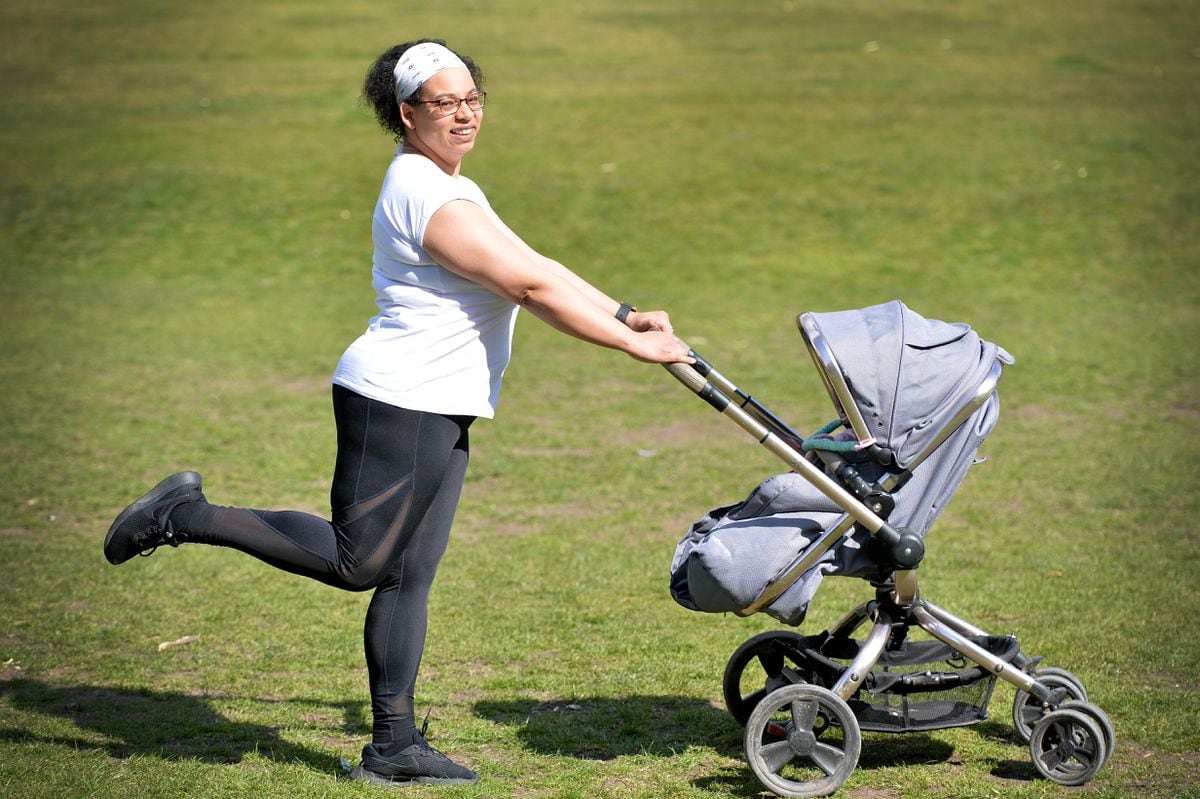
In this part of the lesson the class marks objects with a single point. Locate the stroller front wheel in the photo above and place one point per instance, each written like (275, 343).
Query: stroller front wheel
(1101, 719)
(802, 741)
(1068, 747)
(1027, 710)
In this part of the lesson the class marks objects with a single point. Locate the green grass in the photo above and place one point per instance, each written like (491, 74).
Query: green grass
(184, 252)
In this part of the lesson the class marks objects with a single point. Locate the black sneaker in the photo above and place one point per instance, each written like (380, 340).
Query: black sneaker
(417, 764)
(145, 525)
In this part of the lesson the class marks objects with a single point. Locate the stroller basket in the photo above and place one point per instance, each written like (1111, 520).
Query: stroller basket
(928, 685)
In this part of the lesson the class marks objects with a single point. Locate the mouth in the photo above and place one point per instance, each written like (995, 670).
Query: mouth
(464, 131)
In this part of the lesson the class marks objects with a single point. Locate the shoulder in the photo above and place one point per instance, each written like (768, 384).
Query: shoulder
(467, 189)
(411, 173)
(470, 185)
(415, 183)
(415, 175)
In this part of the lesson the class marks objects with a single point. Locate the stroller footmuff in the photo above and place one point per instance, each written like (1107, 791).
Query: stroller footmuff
(915, 399)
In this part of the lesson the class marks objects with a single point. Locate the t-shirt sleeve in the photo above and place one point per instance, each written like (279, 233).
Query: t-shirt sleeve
(408, 200)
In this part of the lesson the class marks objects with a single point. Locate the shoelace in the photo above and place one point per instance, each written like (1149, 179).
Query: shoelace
(425, 726)
(425, 723)
(156, 537)
(424, 740)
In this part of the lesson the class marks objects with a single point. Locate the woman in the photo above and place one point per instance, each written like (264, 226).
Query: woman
(450, 276)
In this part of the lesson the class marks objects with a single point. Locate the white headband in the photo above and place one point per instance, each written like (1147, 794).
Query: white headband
(420, 63)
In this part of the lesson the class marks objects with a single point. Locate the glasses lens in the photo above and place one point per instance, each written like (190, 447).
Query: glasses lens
(449, 105)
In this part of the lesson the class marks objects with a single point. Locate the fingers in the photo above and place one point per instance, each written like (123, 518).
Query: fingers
(651, 320)
(657, 342)
(674, 350)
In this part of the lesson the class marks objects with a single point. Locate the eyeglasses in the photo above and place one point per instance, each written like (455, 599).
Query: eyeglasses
(446, 106)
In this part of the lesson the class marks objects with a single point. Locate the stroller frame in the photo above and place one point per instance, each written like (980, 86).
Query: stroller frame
(1070, 738)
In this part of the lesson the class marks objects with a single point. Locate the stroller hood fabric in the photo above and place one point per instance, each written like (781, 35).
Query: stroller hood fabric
(909, 377)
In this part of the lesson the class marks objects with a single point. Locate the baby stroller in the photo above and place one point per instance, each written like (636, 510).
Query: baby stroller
(915, 399)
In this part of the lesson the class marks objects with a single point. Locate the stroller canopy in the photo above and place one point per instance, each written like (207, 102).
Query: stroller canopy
(908, 375)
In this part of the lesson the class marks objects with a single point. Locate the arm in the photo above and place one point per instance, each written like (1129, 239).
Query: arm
(639, 321)
(463, 239)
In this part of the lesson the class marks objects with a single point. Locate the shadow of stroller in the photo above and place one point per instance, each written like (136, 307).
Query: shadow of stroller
(605, 728)
(171, 725)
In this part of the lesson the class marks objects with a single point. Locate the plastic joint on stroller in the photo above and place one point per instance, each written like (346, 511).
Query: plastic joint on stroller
(810, 696)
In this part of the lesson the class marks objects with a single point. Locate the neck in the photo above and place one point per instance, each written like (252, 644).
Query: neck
(415, 147)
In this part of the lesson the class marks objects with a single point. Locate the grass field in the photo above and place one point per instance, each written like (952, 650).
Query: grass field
(185, 202)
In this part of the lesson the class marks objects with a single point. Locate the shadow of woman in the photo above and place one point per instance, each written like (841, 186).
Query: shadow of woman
(164, 724)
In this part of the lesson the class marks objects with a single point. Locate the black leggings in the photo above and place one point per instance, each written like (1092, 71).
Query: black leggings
(395, 487)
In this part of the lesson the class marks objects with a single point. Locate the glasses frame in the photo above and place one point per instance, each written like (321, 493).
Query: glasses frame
(480, 96)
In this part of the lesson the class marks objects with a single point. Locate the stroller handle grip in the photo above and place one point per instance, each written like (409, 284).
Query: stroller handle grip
(694, 376)
(687, 375)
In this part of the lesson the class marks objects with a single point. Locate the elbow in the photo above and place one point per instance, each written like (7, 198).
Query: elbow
(534, 294)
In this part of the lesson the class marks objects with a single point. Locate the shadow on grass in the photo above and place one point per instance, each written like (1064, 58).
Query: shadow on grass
(164, 724)
(604, 728)
(878, 751)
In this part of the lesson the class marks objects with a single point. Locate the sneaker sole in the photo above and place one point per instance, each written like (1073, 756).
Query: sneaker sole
(177, 480)
(360, 774)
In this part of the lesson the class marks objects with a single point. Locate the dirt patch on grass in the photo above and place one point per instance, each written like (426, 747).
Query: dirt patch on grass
(1147, 772)
(1171, 682)
(1133, 752)
(10, 670)
(874, 793)
(1034, 412)
(475, 527)
(1183, 412)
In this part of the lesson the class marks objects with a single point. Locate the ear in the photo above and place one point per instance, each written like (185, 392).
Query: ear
(406, 115)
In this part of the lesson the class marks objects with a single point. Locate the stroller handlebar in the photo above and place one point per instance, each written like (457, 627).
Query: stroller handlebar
(905, 548)
(687, 373)
(695, 377)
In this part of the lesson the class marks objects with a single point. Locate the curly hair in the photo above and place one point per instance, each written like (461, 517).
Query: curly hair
(379, 88)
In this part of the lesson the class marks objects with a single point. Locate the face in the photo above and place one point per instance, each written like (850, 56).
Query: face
(443, 139)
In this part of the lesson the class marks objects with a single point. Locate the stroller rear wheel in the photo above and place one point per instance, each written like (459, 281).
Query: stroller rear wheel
(762, 664)
(802, 741)
(1027, 709)
(1068, 747)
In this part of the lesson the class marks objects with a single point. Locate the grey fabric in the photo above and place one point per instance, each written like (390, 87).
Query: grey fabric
(909, 377)
(727, 558)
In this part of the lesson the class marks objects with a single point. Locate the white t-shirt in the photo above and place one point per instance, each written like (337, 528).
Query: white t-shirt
(440, 342)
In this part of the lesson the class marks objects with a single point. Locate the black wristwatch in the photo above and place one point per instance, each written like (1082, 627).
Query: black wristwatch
(624, 311)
